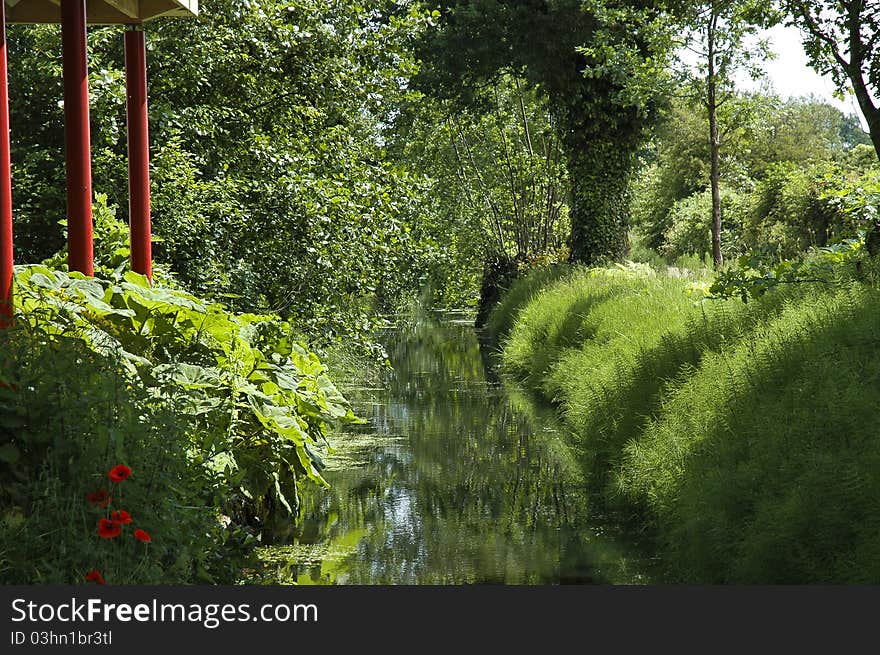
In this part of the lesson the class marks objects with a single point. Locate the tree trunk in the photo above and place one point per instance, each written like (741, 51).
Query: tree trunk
(714, 147)
(599, 213)
(859, 62)
(870, 111)
(714, 179)
(600, 138)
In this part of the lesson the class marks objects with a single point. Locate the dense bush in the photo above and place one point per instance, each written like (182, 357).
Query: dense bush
(690, 219)
(220, 416)
(790, 211)
(795, 207)
(67, 416)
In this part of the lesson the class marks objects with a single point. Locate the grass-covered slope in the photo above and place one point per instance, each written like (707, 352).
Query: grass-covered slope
(742, 432)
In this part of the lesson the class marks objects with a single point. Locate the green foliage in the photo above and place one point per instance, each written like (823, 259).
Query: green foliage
(261, 401)
(69, 411)
(756, 274)
(689, 232)
(740, 432)
(721, 43)
(789, 214)
(593, 61)
(520, 293)
(67, 415)
(271, 187)
(761, 468)
(498, 181)
(721, 37)
(796, 207)
(786, 170)
(675, 167)
(800, 130)
(839, 42)
(215, 412)
(860, 158)
(857, 197)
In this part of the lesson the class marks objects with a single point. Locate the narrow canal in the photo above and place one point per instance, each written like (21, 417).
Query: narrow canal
(453, 480)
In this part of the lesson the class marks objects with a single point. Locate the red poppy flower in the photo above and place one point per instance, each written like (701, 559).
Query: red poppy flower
(119, 472)
(142, 535)
(120, 516)
(108, 529)
(100, 498)
(94, 576)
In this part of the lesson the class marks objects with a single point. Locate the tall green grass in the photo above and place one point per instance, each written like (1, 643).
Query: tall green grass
(764, 466)
(521, 291)
(604, 345)
(740, 432)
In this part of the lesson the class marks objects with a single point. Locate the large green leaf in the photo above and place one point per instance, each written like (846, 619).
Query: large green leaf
(190, 376)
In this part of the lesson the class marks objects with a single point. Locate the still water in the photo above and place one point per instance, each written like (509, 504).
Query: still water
(454, 480)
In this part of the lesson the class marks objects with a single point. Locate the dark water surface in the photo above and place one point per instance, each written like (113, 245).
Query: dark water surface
(454, 480)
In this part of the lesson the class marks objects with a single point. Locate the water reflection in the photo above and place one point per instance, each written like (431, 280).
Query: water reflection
(453, 481)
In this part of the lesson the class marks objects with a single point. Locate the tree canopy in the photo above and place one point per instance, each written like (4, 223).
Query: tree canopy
(270, 185)
(597, 62)
(841, 40)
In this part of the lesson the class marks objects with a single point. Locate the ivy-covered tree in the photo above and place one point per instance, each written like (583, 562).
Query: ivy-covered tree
(841, 40)
(597, 62)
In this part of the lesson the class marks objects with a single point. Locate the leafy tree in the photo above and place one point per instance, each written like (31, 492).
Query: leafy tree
(800, 130)
(759, 133)
(841, 41)
(597, 63)
(688, 233)
(499, 183)
(719, 39)
(271, 188)
(676, 167)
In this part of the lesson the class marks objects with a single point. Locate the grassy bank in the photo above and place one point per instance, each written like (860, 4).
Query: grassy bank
(741, 433)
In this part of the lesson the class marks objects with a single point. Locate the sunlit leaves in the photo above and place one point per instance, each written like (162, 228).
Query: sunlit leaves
(271, 188)
(259, 405)
(840, 39)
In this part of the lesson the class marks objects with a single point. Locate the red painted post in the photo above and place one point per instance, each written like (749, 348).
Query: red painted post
(138, 151)
(76, 136)
(5, 184)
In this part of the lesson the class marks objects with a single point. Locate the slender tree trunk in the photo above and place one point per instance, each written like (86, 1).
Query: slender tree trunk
(714, 149)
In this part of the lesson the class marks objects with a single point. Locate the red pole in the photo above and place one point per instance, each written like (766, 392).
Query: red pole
(138, 151)
(76, 136)
(5, 184)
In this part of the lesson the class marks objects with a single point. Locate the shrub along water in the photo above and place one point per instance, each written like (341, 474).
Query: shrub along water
(741, 432)
(218, 415)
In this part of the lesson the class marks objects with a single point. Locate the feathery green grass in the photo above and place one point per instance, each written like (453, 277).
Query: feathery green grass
(741, 433)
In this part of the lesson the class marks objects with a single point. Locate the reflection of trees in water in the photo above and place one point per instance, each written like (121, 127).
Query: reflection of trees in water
(473, 494)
